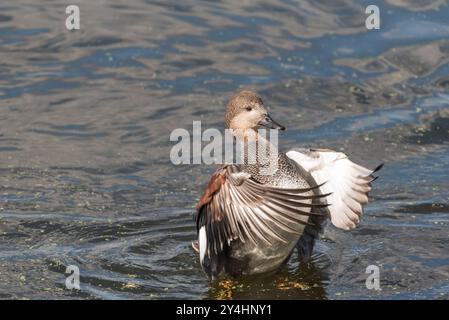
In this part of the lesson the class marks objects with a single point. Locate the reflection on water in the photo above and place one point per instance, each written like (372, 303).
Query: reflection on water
(296, 282)
(84, 149)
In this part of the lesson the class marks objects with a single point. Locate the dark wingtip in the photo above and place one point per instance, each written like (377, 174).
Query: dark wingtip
(320, 205)
(318, 185)
(380, 166)
(324, 195)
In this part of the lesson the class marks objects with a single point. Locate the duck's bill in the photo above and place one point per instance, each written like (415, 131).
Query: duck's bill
(270, 123)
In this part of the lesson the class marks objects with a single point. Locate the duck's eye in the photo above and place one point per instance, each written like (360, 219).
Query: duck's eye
(249, 108)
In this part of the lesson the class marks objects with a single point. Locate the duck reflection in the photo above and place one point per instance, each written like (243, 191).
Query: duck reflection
(295, 281)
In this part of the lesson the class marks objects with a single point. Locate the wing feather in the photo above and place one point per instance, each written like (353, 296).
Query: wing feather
(236, 207)
(347, 183)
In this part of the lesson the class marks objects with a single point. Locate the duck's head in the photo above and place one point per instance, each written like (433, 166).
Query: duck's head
(246, 111)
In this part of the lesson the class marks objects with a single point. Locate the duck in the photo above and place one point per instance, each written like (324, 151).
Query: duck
(252, 215)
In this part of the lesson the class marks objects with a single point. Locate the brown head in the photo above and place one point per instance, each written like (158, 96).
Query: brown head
(247, 111)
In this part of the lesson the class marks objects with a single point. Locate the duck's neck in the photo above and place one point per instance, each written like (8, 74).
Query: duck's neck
(258, 152)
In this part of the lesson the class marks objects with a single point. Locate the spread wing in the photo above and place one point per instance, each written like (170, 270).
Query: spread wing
(347, 183)
(236, 207)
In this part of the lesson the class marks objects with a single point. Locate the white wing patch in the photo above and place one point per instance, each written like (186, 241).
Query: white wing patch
(202, 242)
(347, 182)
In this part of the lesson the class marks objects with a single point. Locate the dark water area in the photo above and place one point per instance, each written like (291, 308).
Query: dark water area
(86, 115)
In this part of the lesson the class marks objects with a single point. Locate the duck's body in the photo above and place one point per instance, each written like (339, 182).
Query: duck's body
(253, 215)
(249, 258)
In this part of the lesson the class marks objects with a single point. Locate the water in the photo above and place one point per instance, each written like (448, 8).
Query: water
(86, 115)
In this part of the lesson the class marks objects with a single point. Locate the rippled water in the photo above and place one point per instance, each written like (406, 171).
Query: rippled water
(84, 140)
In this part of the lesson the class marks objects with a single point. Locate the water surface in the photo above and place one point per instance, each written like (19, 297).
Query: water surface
(86, 116)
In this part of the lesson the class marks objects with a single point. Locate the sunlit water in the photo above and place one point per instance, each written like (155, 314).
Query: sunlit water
(86, 115)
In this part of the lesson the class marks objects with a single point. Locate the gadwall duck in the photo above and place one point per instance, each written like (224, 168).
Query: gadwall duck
(249, 221)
